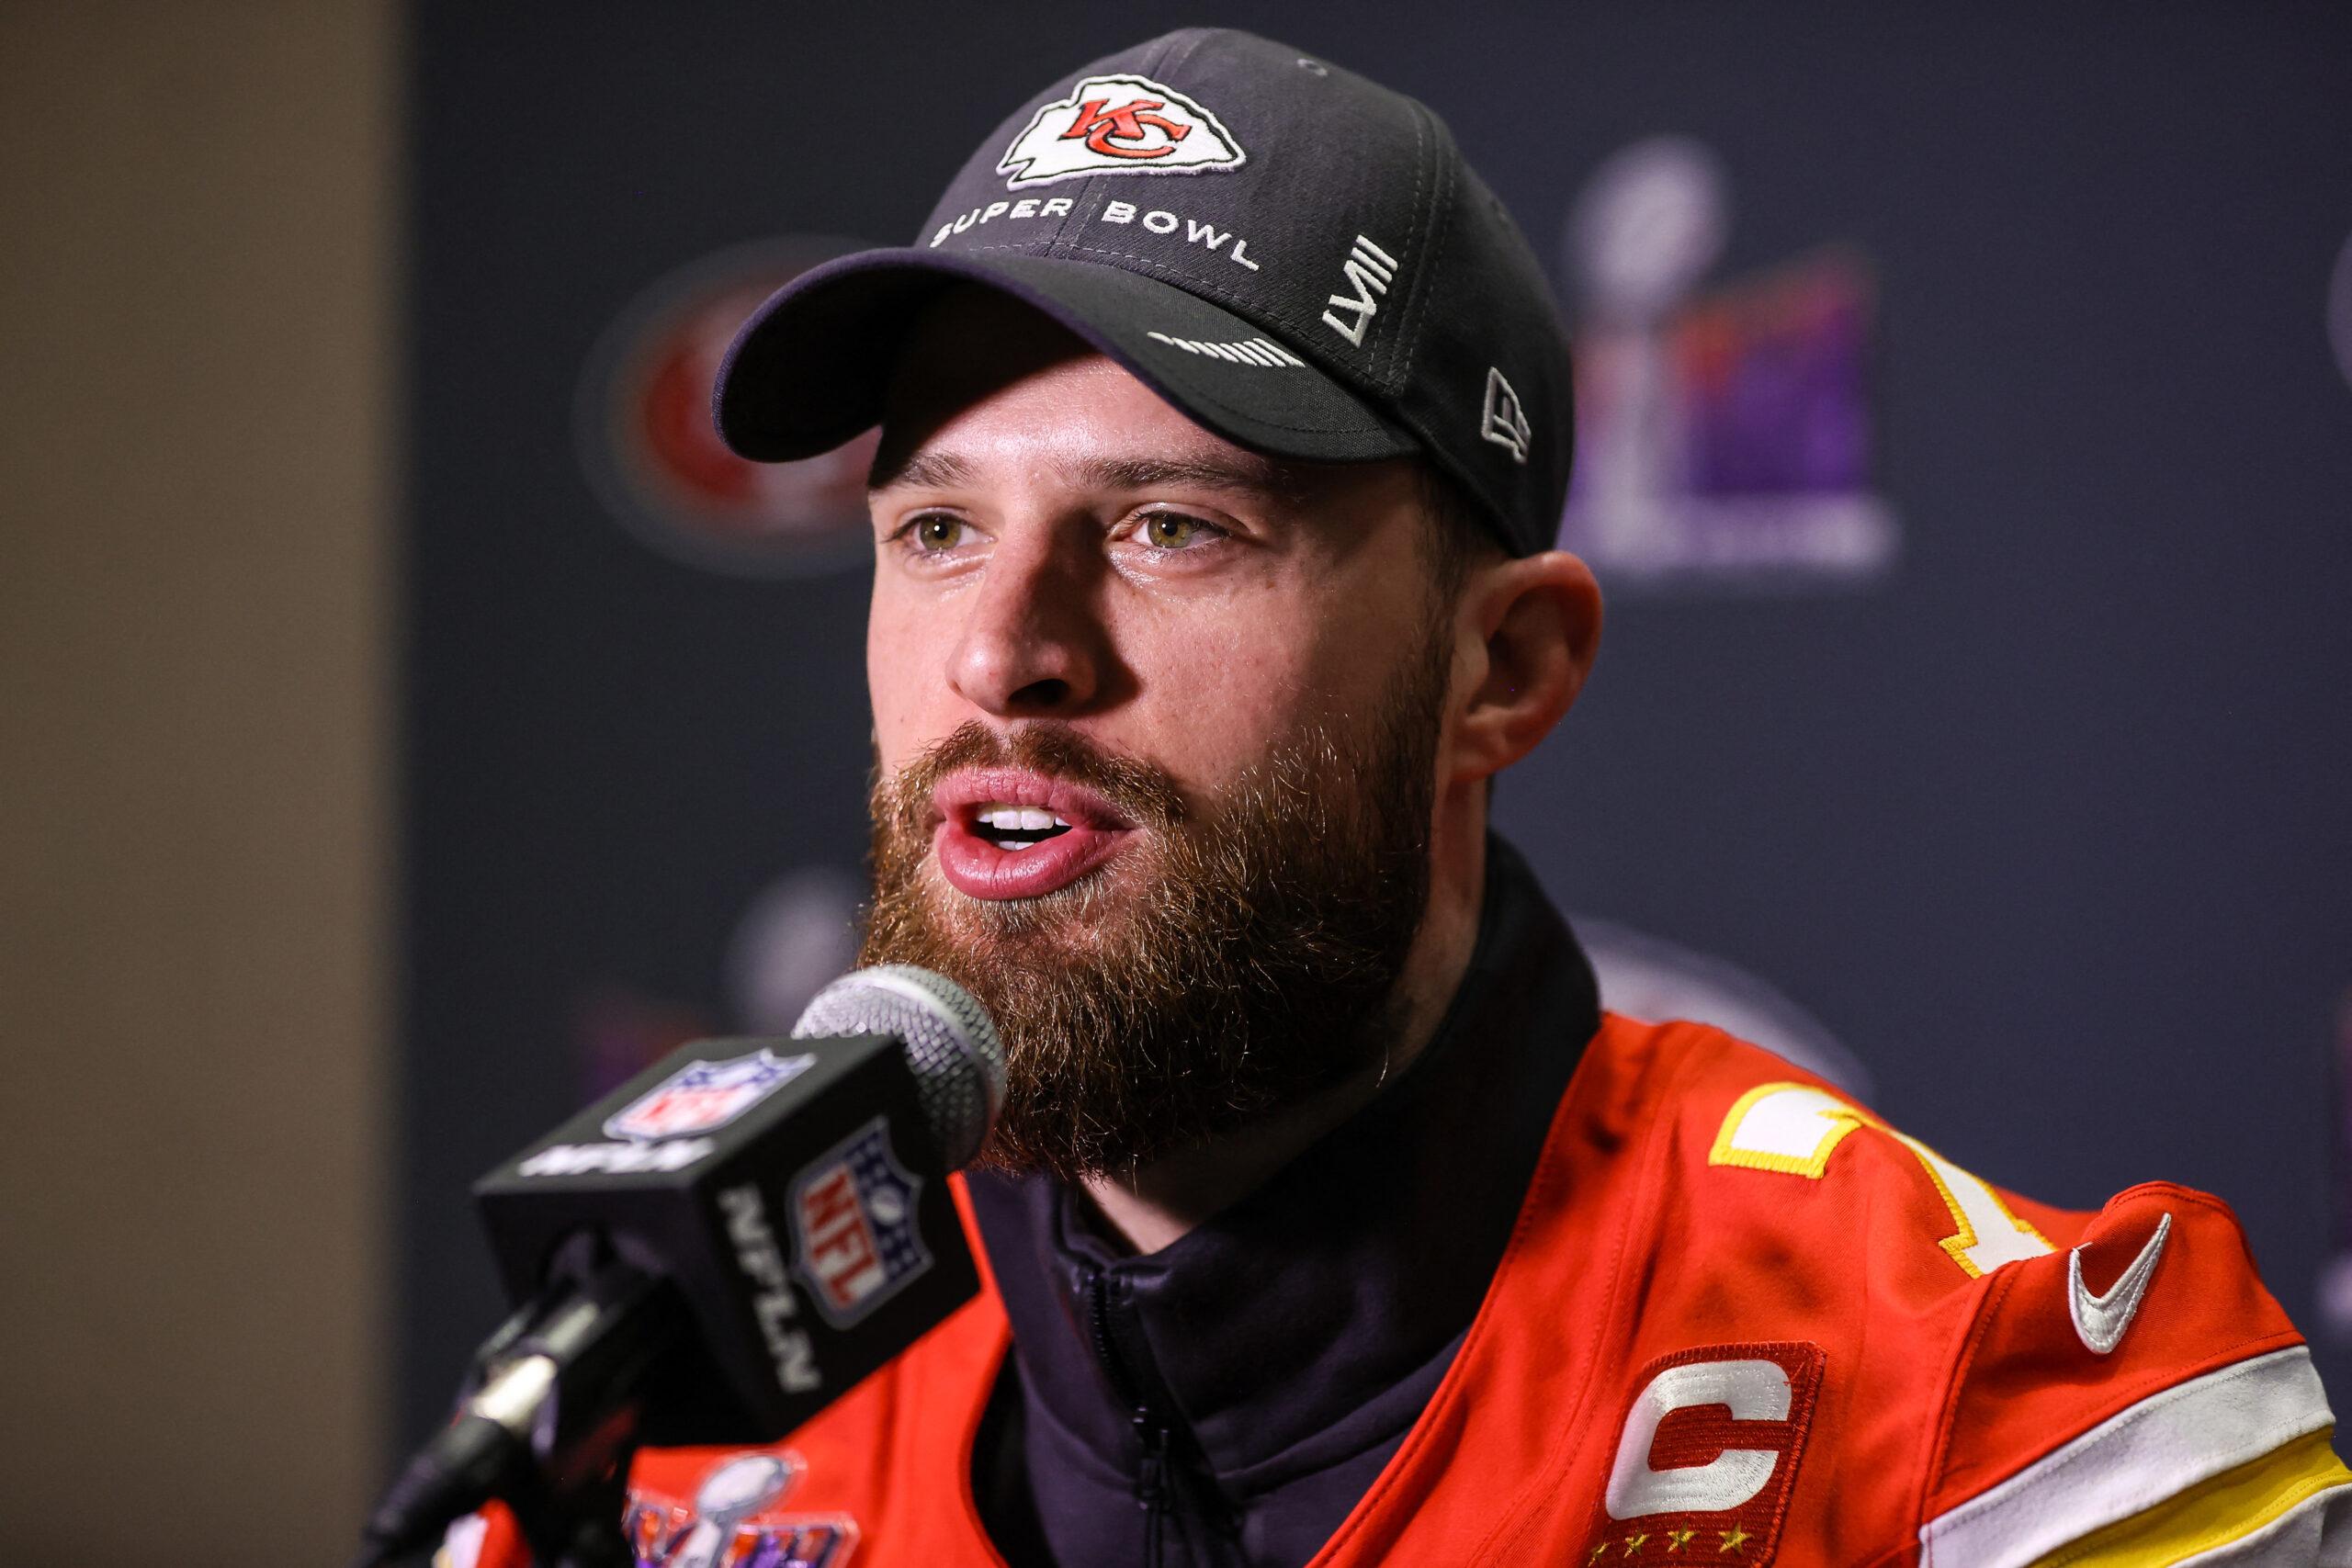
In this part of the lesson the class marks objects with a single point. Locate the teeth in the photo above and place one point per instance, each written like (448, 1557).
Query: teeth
(1027, 818)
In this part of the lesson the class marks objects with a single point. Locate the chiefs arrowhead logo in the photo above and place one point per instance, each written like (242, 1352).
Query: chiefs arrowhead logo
(1118, 125)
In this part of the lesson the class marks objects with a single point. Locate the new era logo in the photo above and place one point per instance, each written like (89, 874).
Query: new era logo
(1118, 125)
(1504, 422)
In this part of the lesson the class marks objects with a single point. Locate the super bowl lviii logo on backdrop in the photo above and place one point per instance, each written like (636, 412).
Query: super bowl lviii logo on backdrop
(1724, 434)
(2339, 310)
(654, 456)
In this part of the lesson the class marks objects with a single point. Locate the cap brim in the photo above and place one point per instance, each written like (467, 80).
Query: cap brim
(811, 368)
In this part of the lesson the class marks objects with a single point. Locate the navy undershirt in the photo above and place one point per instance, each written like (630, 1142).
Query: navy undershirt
(1280, 1351)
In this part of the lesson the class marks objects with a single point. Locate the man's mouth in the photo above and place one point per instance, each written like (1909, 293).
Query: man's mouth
(1011, 833)
(1016, 827)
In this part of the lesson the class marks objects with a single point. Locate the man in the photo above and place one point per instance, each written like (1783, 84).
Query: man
(1225, 422)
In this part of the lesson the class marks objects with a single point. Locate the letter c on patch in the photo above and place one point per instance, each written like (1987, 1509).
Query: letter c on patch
(1755, 1390)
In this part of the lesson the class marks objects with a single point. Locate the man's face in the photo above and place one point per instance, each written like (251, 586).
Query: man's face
(1157, 725)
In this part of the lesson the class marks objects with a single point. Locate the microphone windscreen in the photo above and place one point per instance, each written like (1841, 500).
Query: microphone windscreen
(952, 1047)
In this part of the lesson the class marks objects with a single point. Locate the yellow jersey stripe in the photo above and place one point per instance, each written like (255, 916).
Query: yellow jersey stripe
(2212, 1513)
(2135, 1461)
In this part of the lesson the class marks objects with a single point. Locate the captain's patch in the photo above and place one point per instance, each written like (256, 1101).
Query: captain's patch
(1708, 1455)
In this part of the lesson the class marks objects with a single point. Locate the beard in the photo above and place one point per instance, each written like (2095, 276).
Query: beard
(1240, 958)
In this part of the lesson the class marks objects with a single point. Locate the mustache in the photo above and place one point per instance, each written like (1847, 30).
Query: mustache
(1148, 794)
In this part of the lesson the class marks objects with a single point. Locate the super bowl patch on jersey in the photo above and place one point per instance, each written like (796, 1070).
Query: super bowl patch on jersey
(735, 1522)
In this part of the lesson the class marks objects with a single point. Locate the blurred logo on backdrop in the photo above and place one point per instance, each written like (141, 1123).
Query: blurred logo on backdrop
(2335, 1274)
(796, 935)
(656, 461)
(1649, 978)
(1724, 434)
(2339, 311)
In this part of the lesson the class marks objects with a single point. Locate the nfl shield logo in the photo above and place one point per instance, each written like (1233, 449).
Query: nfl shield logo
(854, 1217)
(704, 1095)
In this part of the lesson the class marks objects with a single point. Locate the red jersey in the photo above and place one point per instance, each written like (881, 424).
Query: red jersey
(1742, 1321)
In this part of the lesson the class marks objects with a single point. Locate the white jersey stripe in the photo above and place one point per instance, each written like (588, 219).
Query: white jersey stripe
(2132, 1461)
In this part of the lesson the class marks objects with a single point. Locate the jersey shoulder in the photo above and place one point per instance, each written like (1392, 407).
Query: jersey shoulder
(2028, 1378)
(1756, 1151)
(2140, 1396)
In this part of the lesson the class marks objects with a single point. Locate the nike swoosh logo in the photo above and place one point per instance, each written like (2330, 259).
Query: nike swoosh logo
(2100, 1321)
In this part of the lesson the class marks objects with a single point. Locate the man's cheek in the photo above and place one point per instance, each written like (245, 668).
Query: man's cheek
(903, 725)
(897, 676)
(1225, 728)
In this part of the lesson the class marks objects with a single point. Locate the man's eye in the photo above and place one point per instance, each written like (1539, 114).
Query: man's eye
(1173, 531)
(933, 535)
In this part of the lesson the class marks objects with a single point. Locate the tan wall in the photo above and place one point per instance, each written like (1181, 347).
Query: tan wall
(196, 209)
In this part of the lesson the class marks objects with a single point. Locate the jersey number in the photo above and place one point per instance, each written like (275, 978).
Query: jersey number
(1793, 1128)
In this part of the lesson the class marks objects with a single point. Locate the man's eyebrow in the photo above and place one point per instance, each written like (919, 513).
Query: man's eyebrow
(1242, 473)
(922, 469)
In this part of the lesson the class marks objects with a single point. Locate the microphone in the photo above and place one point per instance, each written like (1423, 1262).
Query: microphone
(711, 1254)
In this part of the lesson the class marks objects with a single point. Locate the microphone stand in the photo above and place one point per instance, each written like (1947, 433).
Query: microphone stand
(580, 1526)
(550, 1423)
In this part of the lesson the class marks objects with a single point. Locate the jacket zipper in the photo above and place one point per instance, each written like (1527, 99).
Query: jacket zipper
(1152, 1431)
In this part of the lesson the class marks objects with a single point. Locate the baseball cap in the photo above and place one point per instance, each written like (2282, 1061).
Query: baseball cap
(1295, 256)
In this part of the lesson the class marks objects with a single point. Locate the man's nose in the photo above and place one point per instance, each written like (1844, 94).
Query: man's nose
(1032, 643)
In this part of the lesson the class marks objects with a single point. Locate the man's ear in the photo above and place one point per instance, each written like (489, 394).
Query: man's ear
(1528, 628)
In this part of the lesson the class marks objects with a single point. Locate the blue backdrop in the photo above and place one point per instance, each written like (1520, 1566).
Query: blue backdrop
(1975, 695)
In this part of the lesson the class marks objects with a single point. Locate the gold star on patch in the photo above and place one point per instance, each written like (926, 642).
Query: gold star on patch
(1597, 1552)
(1633, 1543)
(1677, 1540)
(1733, 1541)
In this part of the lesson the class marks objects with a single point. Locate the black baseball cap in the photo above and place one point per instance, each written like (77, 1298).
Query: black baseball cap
(1296, 257)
